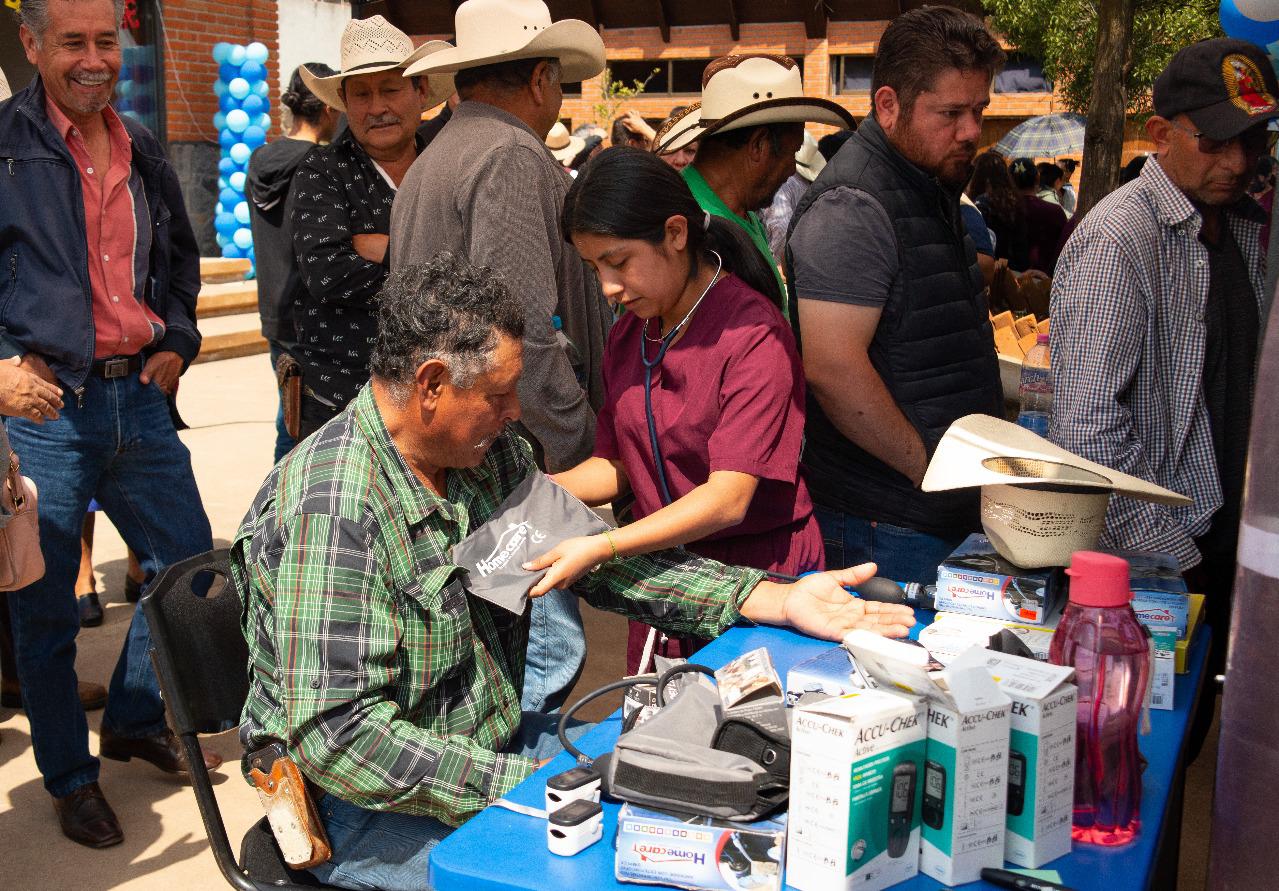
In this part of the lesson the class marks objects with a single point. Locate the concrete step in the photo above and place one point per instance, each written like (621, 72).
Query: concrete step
(215, 270)
(231, 336)
(228, 298)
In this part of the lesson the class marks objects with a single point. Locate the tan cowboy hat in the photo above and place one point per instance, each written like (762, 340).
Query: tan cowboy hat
(746, 91)
(563, 146)
(372, 45)
(979, 450)
(808, 160)
(492, 31)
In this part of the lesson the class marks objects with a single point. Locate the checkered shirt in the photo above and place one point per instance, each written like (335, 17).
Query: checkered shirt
(391, 687)
(1128, 342)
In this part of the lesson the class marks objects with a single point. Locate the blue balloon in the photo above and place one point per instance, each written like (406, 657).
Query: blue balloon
(253, 105)
(219, 121)
(254, 136)
(232, 252)
(222, 240)
(220, 51)
(227, 139)
(230, 197)
(228, 72)
(243, 237)
(1236, 25)
(239, 88)
(240, 153)
(262, 88)
(237, 181)
(242, 212)
(122, 105)
(256, 52)
(125, 76)
(263, 121)
(237, 120)
(227, 102)
(226, 224)
(226, 167)
(252, 71)
(219, 88)
(223, 183)
(237, 55)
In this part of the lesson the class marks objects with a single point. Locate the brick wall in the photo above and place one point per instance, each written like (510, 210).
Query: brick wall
(193, 27)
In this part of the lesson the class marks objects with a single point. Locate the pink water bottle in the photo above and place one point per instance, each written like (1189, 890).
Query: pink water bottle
(1100, 636)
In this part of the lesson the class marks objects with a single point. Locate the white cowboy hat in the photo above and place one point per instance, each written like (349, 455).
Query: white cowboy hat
(979, 450)
(746, 91)
(808, 160)
(492, 31)
(563, 146)
(372, 45)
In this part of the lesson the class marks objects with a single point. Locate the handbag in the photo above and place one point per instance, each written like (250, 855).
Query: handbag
(288, 376)
(21, 561)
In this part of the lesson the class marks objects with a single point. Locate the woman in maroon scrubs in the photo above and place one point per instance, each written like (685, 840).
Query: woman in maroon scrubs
(703, 418)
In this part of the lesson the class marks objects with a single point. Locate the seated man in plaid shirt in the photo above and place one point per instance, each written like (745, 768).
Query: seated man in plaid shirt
(397, 694)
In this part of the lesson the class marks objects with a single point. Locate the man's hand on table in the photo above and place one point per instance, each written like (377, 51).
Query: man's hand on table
(818, 605)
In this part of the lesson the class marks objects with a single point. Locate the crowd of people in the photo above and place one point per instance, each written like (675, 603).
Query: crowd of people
(745, 341)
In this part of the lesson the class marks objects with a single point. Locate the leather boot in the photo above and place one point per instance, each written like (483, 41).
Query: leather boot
(87, 819)
(163, 750)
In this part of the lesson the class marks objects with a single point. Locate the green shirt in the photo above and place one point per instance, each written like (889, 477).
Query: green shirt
(391, 687)
(751, 225)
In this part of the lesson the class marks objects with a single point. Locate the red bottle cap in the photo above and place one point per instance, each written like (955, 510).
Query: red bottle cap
(1098, 579)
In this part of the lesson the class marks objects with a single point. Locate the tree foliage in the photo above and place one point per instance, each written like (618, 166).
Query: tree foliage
(1063, 35)
(615, 93)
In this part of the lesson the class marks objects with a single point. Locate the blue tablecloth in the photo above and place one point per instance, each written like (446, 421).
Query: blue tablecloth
(499, 849)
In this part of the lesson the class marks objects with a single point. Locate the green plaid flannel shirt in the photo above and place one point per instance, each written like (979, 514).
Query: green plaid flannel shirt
(392, 688)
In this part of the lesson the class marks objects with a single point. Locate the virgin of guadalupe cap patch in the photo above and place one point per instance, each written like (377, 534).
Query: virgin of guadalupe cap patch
(1245, 85)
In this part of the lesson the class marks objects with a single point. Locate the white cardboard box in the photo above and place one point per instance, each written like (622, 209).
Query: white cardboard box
(1041, 754)
(965, 779)
(856, 768)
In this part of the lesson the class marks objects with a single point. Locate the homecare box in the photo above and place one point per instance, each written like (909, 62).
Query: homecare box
(856, 763)
(977, 581)
(698, 852)
(1041, 754)
(1159, 595)
(966, 761)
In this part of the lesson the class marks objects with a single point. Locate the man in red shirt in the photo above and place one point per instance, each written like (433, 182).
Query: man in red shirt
(102, 272)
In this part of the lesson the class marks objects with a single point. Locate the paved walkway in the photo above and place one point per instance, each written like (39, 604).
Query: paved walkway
(230, 406)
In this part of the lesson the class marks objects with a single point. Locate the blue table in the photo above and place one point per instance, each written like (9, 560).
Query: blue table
(499, 849)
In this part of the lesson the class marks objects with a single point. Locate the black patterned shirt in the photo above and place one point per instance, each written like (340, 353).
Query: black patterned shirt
(338, 193)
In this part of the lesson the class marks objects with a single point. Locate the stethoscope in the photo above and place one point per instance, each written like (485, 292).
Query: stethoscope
(649, 365)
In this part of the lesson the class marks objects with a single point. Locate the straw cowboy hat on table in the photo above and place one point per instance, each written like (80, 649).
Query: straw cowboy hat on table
(372, 45)
(1039, 502)
(746, 91)
(563, 146)
(492, 31)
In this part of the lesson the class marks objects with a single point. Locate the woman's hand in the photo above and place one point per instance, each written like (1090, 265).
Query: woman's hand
(568, 561)
(25, 393)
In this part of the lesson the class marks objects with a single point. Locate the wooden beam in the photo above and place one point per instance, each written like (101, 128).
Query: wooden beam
(663, 22)
(734, 24)
(815, 19)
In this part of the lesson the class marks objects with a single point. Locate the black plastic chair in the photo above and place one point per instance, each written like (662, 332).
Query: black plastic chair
(202, 661)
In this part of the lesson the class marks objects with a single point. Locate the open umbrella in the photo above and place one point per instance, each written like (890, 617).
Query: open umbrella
(1046, 136)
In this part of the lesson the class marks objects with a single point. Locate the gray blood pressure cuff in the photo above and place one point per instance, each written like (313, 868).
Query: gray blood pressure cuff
(534, 518)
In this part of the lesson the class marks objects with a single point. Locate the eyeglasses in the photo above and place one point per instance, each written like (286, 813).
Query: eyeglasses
(1255, 141)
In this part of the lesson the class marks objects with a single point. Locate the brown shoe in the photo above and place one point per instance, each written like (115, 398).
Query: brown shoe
(163, 750)
(92, 696)
(87, 819)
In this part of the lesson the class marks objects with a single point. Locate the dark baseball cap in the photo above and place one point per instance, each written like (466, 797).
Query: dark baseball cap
(1224, 86)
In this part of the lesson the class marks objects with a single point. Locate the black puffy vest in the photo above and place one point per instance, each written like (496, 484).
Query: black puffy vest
(934, 347)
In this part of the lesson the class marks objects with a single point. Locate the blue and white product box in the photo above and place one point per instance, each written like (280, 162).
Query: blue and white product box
(1159, 595)
(856, 768)
(656, 848)
(829, 673)
(1041, 754)
(977, 581)
(954, 633)
(965, 780)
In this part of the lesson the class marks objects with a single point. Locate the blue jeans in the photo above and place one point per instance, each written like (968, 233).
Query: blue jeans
(283, 442)
(556, 651)
(121, 449)
(901, 554)
(380, 849)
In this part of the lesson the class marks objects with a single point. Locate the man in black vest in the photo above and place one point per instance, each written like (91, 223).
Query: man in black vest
(892, 318)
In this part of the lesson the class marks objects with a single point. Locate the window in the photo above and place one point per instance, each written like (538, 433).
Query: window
(1022, 74)
(138, 92)
(669, 77)
(851, 74)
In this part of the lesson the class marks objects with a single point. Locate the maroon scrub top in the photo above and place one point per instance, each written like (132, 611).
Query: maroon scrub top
(728, 395)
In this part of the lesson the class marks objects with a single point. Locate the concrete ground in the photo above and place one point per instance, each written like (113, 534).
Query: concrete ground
(230, 406)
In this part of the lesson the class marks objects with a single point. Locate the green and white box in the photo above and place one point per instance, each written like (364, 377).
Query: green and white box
(1041, 754)
(965, 779)
(856, 764)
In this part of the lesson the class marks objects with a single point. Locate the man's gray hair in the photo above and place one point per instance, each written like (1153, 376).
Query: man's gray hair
(504, 77)
(35, 15)
(448, 310)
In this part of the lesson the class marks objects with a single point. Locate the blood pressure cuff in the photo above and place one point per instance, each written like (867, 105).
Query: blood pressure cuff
(669, 763)
(534, 518)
